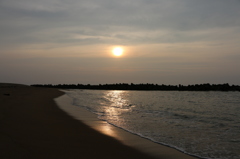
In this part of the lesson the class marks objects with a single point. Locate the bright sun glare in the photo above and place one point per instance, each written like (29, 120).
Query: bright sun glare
(117, 51)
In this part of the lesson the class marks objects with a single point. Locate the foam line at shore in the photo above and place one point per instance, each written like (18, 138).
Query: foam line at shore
(65, 103)
(33, 126)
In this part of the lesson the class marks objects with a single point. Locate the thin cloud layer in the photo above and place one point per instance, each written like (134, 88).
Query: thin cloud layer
(103, 21)
(187, 29)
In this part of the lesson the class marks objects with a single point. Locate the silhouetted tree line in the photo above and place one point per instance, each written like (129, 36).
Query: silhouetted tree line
(126, 86)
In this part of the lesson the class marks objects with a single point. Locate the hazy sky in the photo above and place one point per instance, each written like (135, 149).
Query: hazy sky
(164, 41)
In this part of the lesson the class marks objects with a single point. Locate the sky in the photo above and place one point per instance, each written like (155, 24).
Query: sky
(164, 41)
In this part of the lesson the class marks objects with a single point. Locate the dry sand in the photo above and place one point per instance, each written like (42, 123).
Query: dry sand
(32, 126)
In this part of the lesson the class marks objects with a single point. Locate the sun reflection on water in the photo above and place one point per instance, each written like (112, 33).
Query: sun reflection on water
(116, 105)
(117, 99)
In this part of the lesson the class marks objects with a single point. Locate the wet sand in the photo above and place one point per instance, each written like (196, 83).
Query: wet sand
(142, 144)
(33, 126)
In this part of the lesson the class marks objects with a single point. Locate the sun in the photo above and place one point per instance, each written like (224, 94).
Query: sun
(117, 51)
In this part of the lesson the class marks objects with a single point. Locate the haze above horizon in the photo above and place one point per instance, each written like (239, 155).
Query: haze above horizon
(164, 42)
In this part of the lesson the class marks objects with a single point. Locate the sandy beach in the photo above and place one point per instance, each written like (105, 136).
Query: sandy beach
(33, 126)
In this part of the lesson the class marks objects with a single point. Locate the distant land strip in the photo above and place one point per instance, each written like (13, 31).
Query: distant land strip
(147, 86)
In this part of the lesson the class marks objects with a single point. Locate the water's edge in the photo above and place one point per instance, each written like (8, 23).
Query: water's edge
(143, 144)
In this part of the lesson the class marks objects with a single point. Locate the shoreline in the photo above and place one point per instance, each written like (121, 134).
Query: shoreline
(142, 144)
(33, 126)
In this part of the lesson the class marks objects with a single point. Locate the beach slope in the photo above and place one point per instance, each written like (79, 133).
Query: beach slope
(32, 126)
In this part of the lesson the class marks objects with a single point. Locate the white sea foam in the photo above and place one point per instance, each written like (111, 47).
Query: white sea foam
(203, 124)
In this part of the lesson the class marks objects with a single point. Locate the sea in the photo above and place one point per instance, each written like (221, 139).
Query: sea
(205, 124)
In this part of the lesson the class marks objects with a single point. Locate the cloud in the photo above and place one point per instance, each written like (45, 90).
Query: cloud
(105, 21)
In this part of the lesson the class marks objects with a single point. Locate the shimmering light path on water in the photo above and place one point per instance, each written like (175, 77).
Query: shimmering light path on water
(205, 124)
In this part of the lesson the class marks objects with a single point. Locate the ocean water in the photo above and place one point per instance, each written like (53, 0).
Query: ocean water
(204, 124)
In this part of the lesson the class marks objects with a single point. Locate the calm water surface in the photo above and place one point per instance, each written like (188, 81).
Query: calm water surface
(204, 124)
